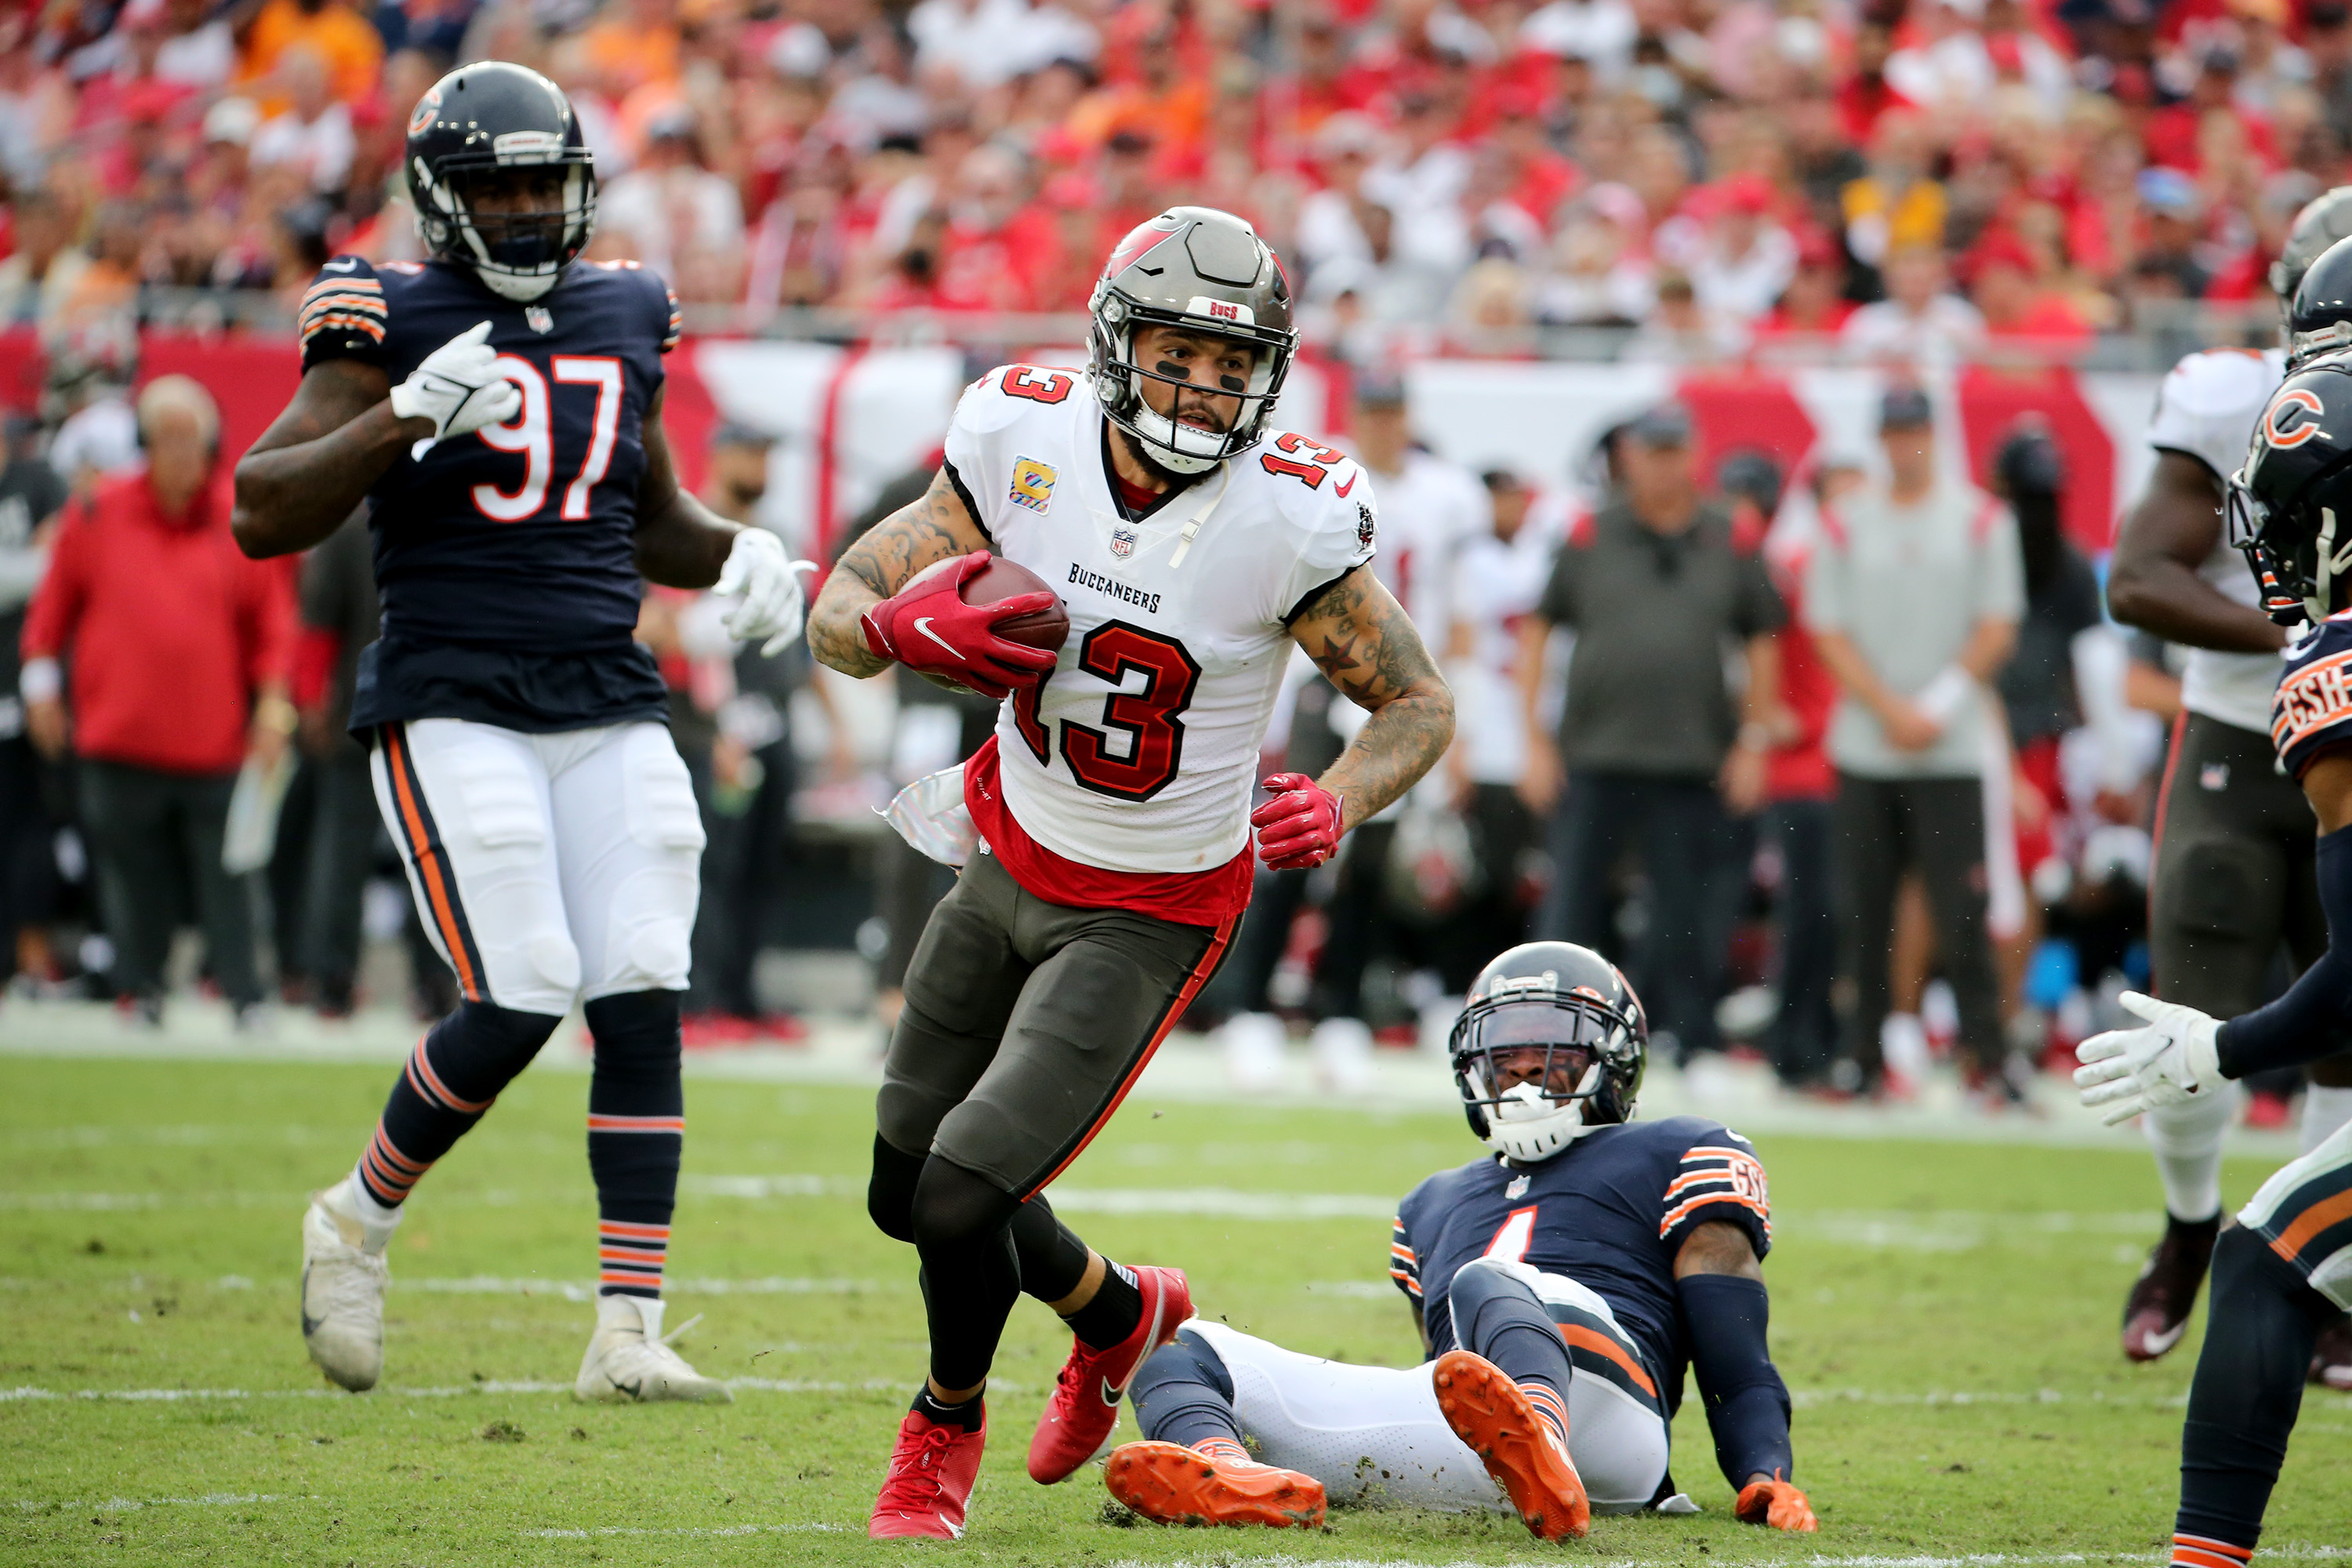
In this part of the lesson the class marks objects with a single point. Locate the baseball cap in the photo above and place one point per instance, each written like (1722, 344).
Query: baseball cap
(1380, 388)
(1665, 425)
(1904, 408)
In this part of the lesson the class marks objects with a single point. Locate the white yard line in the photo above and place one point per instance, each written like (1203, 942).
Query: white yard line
(28, 1394)
(126, 1504)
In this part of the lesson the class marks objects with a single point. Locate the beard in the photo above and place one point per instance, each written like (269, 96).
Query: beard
(1142, 454)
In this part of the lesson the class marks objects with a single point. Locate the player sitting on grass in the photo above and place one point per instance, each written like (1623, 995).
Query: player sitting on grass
(2283, 1272)
(1563, 1283)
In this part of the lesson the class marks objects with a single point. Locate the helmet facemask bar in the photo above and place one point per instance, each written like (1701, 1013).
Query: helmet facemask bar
(1590, 1058)
(1119, 379)
(517, 255)
(2299, 572)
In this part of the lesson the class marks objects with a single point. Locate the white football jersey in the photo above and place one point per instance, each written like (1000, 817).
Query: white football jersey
(1139, 751)
(2206, 409)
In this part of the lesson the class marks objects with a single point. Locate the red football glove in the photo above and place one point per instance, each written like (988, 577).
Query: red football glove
(1300, 826)
(1776, 1503)
(927, 625)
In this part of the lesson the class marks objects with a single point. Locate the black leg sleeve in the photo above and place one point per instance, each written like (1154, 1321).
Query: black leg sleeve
(1747, 1402)
(1052, 1258)
(890, 1191)
(971, 1275)
(1182, 1393)
(2248, 1389)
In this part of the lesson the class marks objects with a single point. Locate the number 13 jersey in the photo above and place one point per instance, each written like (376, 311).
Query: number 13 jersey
(1138, 754)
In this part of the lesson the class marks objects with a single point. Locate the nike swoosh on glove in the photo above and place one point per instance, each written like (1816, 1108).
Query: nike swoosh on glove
(925, 626)
(1300, 826)
(1776, 1503)
(773, 606)
(458, 387)
(2173, 1059)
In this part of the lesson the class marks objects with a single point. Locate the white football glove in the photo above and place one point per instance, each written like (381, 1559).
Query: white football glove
(456, 389)
(772, 607)
(2173, 1059)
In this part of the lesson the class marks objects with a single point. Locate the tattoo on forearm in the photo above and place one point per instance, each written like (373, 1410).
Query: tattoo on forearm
(1361, 640)
(931, 529)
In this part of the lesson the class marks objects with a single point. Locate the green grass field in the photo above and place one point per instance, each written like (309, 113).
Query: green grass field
(1945, 1313)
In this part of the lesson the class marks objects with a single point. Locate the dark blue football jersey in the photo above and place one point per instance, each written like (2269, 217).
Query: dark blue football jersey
(2311, 713)
(505, 558)
(1610, 1211)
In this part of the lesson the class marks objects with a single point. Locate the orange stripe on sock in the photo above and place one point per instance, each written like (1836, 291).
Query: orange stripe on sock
(623, 1227)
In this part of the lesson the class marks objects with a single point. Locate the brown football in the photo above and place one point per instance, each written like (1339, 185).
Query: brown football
(1047, 628)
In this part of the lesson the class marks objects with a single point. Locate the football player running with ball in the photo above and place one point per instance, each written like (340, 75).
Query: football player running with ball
(2283, 1271)
(500, 407)
(1194, 545)
(1563, 1285)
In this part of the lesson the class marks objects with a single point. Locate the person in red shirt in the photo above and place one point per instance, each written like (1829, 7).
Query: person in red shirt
(178, 649)
(2000, 273)
(1814, 302)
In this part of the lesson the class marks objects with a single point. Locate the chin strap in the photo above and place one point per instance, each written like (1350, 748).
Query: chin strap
(1201, 515)
(2331, 562)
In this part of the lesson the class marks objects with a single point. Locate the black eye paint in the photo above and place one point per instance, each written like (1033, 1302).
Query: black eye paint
(1172, 371)
(1233, 384)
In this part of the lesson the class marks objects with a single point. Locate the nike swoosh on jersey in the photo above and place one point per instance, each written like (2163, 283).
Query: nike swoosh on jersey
(923, 624)
(1343, 489)
(348, 264)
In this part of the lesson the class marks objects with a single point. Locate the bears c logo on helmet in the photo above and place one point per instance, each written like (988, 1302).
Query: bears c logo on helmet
(2293, 418)
(428, 108)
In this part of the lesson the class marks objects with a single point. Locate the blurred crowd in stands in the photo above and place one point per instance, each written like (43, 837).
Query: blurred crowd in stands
(1917, 175)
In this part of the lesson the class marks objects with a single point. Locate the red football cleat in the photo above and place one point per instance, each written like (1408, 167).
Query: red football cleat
(1085, 1406)
(1176, 1485)
(1487, 1411)
(931, 1472)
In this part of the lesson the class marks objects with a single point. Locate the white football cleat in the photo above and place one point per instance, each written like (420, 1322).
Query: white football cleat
(629, 1359)
(1343, 1055)
(343, 1282)
(1254, 1046)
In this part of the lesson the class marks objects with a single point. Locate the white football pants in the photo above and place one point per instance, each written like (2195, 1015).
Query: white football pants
(1373, 1435)
(548, 869)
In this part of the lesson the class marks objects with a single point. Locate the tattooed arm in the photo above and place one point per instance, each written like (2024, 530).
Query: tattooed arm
(317, 460)
(1358, 635)
(933, 528)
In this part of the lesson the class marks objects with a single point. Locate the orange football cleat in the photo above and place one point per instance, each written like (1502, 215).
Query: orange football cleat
(1176, 1485)
(1487, 1411)
(1778, 1503)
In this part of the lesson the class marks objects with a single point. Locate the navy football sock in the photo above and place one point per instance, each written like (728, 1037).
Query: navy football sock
(637, 1134)
(451, 1079)
(1497, 1315)
(2245, 1398)
(1182, 1393)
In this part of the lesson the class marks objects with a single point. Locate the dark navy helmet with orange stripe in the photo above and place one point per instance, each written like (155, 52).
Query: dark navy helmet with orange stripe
(2290, 508)
(495, 121)
(1552, 1043)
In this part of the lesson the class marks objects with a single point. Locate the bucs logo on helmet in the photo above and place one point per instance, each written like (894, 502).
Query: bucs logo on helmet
(1195, 269)
(2290, 508)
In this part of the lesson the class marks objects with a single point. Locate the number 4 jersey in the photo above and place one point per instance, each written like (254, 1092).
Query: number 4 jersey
(506, 558)
(1125, 779)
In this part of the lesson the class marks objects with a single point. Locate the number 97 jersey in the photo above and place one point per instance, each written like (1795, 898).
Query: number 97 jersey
(1139, 752)
(519, 534)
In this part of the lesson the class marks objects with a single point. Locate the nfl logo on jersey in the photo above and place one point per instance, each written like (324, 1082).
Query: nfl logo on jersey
(1122, 542)
(541, 320)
